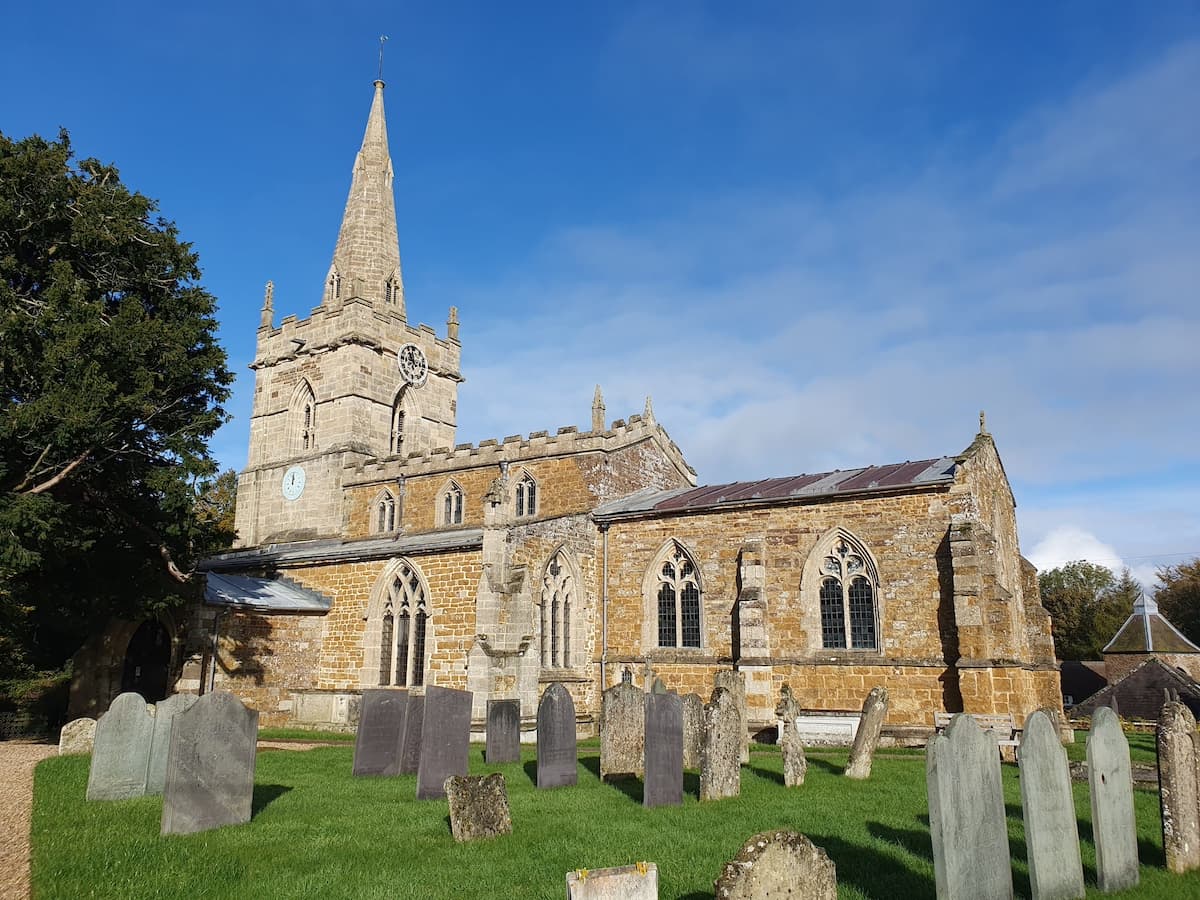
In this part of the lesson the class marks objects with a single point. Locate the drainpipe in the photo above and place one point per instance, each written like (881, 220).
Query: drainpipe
(212, 664)
(604, 611)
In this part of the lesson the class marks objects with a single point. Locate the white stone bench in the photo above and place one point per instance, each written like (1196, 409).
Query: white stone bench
(1002, 728)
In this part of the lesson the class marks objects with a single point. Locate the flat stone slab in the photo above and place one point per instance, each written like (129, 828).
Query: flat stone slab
(1178, 789)
(557, 751)
(165, 712)
(1114, 829)
(693, 731)
(720, 764)
(410, 744)
(778, 864)
(636, 882)
(210, 766)
(663, 785)
(622, 730)
(1051, 833)
(445, 740)
(866, 739)
(503, 731)
(478, 806)
(380, 733)
(121, 754)
(77, 736)
(735, 682)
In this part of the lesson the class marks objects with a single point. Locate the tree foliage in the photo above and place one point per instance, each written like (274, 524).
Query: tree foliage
(111, 384)
(1087, 604)
(1179, 597)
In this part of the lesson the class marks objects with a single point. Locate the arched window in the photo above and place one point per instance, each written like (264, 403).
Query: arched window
(304, 417)
(847, 598)
(452, 504)
(384, 513)
(526, 496)
(391, 290)
(396, 443)
(402, 635)
(558, 598)
(677, 594)
(335, 285)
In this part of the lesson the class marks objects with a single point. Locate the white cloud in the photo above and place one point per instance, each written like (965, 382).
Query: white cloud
(1068, 543)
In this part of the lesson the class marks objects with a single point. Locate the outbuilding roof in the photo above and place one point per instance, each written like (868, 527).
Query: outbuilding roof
(275, 595)
(1146, 631)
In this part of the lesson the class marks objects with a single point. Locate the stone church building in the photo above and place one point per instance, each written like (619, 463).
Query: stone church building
(374, 550)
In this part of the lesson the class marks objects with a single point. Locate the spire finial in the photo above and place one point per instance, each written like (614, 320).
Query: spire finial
(598, 410)
(452, 324)
(268, 307)
(648, 412)
(382, 39)
(982, 422)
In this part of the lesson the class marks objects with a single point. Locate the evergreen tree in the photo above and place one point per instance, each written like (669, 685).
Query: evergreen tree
(111, 384)
(1179, 597)
(1087, 604)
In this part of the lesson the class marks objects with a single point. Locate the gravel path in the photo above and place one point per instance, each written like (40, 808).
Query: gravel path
(17, 760)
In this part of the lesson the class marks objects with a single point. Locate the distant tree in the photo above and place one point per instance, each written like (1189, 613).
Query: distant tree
(216, 506)
(1179, 597)
(111, 383)
(1087, 604)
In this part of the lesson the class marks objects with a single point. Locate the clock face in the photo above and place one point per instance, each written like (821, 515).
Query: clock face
(413, 367)
(293, 483)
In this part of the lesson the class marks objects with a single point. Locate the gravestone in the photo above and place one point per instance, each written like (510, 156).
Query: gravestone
(1114, 830)
(778, 864)
(966, 814)
(795, 763)
(787, 710)
(478, 806)
(720, 761)
(380, 733)
(659, 686)
(866, 739)
(410, 743)
(1178, 790)
(121, 753)
(445, 740)
(165, 712)
(663, 785)
(636, 882)
(735, 683)
(210, 766)
(77, 736)
(693, 731)
(503, 731)
(1051, 835)
(557, 762)
(622, 730)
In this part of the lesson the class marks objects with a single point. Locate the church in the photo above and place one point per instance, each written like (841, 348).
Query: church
(376, 551)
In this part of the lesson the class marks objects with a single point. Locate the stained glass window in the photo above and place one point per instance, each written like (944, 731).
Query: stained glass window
(678, 600)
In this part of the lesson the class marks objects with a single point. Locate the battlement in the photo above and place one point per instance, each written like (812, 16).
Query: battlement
(516, 448)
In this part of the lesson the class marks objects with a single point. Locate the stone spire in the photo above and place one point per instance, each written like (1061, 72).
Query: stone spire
(366, 261)
(598, 411)
(267, 317)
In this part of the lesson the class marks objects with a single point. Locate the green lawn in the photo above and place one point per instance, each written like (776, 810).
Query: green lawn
(318, 832)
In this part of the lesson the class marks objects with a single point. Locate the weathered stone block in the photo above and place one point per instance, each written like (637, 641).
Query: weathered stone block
(622, 730)
(1051, 835)
(866, 739)
(478, 806)
(735, 683)
(77, 736)
(720, 763)
(1113, 826)
(1178, 787)
(778, 864)
(693, 731)
(636, 882)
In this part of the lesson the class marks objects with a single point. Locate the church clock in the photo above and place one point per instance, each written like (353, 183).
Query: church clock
(412, 363)
(293, 483)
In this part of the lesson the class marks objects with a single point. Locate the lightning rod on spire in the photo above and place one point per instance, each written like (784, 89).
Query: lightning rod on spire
(382, 38)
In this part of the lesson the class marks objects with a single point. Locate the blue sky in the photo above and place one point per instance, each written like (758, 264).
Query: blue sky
(819, 236)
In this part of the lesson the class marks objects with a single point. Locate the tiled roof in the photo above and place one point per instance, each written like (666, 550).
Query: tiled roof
(1146, 631)
(872, 479)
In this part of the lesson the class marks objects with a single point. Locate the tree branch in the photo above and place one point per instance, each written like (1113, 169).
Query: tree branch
(61, 476)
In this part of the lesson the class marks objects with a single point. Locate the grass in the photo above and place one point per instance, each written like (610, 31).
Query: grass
(303, 734)
(318, 832)
(1141, 747)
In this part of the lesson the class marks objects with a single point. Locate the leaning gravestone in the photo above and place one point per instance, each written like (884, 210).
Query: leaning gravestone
(380, 733)
(557, 760)
(1113, 827)
(1178, 790)
(503, 731)
(210, 767)
(966, 814)
(663, 784)
(866, 739)
(121, 754)
(735, 682)
(478, 806)
(1051, 835)
(445, 740)
(165, 712)
(720, 762)
(778, 864)
(77, 736)
(622, 730)
(637, 882)
(693, 731)
(795, 763)
(410, 743)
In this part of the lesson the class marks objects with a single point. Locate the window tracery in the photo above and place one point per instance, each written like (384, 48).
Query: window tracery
(403, 632)
(558, 596)
(526, 496)
(847, 599)
(452, 504)
(678, 598)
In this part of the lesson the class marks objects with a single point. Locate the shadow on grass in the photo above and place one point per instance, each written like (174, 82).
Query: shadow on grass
(767, 774)
(691, 784)
(873, 873)
(265, 795)
(629, 785)
(818, 763)
(918, 843)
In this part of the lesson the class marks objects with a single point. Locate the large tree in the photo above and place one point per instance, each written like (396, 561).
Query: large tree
(111, 384)
(1179, 597)
(1087, 604)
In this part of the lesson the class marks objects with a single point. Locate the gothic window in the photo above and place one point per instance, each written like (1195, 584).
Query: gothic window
(558, 596)
(397, 438)
(335, 285)
(384, 517)
(452, 504)
(391, 290)
(402, 637)
(526, 496)
(677, 593)
(847, 598)
(304, 415)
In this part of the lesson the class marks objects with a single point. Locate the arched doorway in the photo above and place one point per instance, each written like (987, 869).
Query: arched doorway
(147, 660)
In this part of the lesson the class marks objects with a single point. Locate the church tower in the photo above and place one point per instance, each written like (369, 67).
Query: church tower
(352, 382)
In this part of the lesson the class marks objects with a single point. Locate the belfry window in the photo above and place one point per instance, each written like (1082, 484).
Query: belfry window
(402, 650)
(678, 599)
(397, 440)
(847, 600)
(452, 505)
(304, 415)
(558, 596)
(335, 285)
(384, 513)
(526, 496)
(391, 290)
